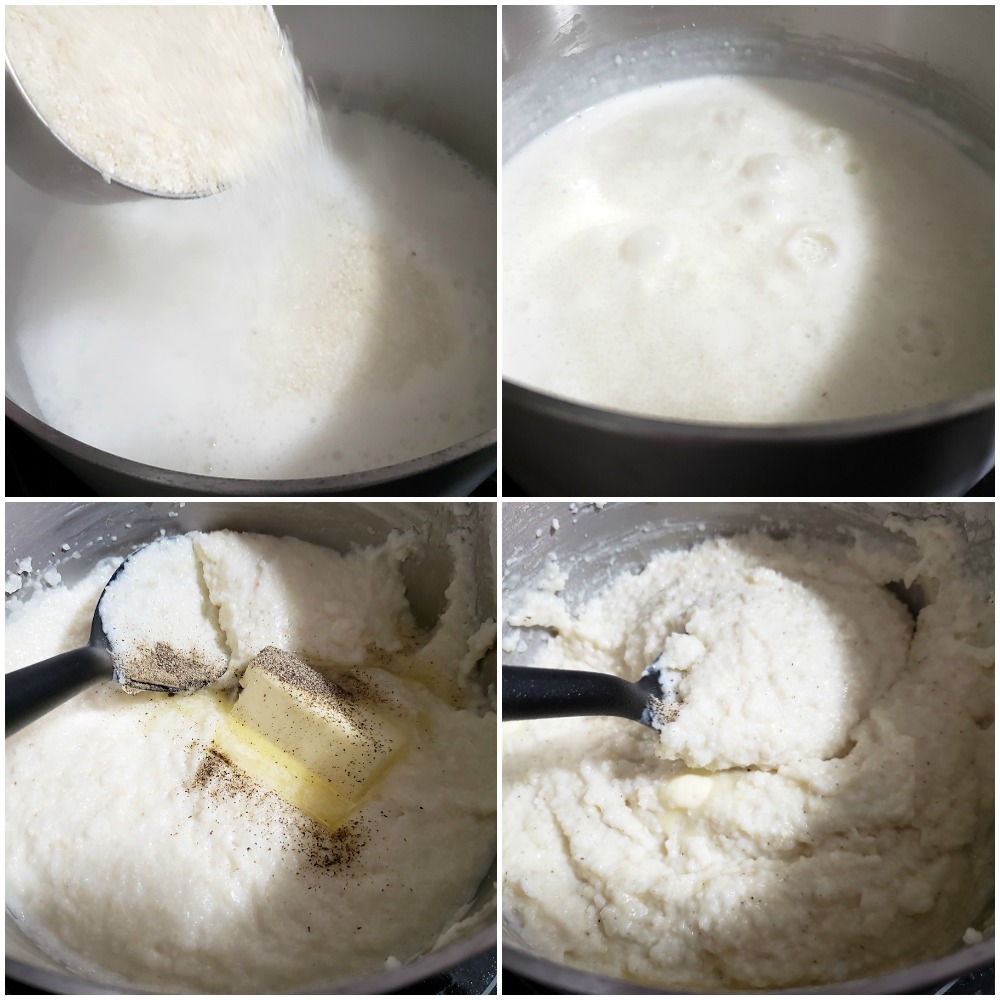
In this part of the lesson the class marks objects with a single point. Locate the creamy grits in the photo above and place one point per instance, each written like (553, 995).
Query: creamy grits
(140, 854)
(747, 251)
(818, 804)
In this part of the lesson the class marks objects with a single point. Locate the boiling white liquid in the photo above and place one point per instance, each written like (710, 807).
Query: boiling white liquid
(751, 252)
(339, 321)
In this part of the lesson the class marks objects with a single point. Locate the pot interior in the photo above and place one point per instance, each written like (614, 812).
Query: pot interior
(99, 530)
(421, 67)
(595, 544)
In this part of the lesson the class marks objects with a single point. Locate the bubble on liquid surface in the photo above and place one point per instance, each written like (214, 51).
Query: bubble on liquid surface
(765, 207)
(648, 245)
(732, 119)
(810, 249)
(829, 140)
(772, 169)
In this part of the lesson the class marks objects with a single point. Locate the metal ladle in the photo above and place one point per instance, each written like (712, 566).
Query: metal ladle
(36, 689)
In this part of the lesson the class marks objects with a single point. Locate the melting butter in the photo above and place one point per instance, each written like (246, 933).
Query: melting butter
(318, 745)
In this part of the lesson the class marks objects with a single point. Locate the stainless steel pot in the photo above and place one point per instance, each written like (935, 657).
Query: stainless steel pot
(428, 67)
(939, 58)
(592, 546)
(97, 530)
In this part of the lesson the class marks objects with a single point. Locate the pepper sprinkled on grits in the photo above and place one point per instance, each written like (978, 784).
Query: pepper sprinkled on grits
(314, 813)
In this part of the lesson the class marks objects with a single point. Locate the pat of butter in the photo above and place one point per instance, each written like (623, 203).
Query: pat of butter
(314, 743)
(672, 821)
(688, 791)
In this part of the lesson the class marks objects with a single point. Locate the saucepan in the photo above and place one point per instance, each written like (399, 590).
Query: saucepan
(428, 68)
(594, 544)
(48, 534)
(560, 60)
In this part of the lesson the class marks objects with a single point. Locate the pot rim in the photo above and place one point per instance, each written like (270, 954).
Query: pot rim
(224, 486)
(901, 981)
(635, 425)
(381, 982)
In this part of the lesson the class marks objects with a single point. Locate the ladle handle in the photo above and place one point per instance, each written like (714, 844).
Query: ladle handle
(33, 691)
(539, 693)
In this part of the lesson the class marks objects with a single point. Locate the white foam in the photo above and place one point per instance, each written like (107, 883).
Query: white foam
(341, 320)
(744, 251)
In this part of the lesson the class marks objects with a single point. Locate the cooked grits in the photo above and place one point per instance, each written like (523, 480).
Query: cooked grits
(139, 855)
(820, 806)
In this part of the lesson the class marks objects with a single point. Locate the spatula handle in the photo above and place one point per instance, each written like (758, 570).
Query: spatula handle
(32, 691)
(538, 693)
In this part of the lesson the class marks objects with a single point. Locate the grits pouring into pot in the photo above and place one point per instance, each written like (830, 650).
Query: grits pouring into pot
(327, 311)
(337, 322)
(322, 811)
(818, 806)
